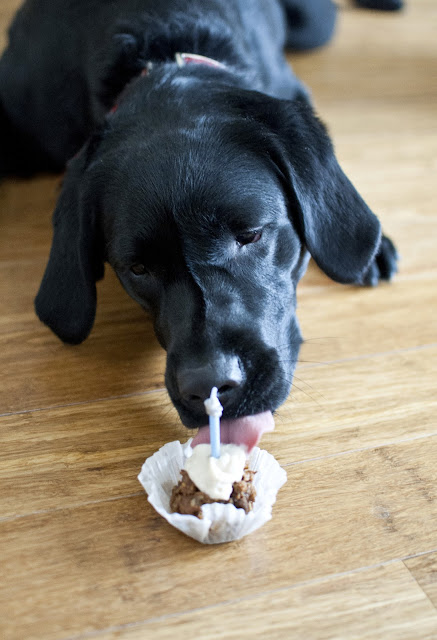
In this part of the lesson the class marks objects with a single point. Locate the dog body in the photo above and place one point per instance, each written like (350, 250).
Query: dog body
(206, 182)
(66, 64)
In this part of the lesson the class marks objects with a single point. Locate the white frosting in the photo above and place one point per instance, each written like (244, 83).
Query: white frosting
(212, 404)
(215, 476)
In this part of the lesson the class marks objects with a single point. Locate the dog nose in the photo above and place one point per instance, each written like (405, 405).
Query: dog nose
(195, 382)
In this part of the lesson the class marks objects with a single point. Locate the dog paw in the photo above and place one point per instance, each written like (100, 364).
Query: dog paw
(384, 265)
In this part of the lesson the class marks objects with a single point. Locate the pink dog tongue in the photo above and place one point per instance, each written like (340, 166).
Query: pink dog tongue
(243, 431)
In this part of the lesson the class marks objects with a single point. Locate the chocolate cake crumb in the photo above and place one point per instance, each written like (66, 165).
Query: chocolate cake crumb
(186, 498)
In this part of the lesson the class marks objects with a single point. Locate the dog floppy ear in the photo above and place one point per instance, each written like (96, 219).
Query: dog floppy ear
(340, 231)
(66, 300)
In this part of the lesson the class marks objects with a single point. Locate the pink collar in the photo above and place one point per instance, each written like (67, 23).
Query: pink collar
(182, 59)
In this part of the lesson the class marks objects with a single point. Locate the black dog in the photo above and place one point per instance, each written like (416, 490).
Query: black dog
(205, 180)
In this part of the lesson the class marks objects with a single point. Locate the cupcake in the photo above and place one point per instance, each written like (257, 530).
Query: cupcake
(220, 521)
(219, 486)
(206, 480)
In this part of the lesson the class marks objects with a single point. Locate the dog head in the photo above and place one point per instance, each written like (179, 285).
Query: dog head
(208, 210)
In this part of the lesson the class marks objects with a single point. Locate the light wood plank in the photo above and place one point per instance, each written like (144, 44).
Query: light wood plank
(25, 218)
(122, 355)
(402, 167)
(348, 322)
(388, 55)
(376, 604)
(74, 455)
(117, 562)
(77, 454)
(424, 570)
(79, 568)
(122, 358)
(359, 404)
(378, 119)
(7, 10)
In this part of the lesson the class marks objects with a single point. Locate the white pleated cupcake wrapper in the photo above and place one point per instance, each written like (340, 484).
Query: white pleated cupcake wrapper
(220, 522)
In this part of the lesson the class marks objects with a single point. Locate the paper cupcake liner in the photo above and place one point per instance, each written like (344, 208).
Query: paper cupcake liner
(220, 522)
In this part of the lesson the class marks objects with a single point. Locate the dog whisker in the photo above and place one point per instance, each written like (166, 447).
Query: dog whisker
(310, 386)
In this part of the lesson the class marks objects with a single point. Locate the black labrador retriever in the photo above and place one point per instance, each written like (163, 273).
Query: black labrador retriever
(202, 175)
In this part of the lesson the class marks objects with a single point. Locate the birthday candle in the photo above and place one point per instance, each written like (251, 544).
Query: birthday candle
(214, 410)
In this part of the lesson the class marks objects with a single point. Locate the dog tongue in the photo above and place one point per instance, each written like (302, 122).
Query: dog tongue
(243, 431)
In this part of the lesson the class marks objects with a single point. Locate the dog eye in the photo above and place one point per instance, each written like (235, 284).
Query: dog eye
(138, 269)
(248, 237)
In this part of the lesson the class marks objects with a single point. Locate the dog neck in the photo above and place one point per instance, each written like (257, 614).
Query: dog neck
(181, 60)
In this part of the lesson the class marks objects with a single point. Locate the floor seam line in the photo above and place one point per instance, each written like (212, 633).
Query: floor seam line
(432, 434)
(83, 402)
(43, 512)
(376, 354)
(418, 583)
(161, 389)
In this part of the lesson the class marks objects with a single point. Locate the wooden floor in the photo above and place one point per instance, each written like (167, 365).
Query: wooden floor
(351, 551)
